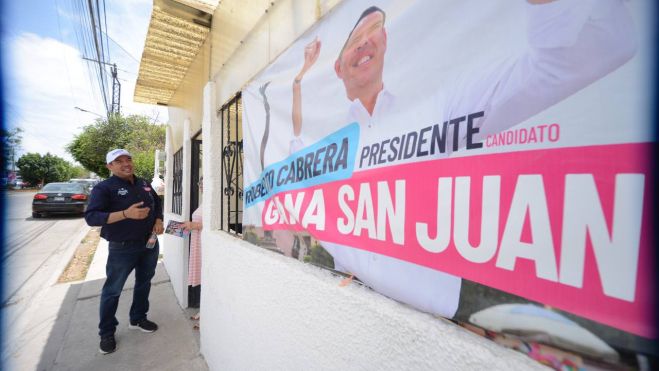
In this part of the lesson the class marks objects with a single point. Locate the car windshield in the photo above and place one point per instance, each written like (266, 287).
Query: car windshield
(63, 187)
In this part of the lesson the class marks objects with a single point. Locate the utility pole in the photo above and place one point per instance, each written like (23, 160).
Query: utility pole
(116, 91)
(116, 87)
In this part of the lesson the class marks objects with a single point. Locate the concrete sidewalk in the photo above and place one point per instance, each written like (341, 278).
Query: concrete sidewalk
(73, 342)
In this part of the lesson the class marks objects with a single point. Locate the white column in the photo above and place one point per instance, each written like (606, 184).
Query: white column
(175, 249)
(212, 160)
(187, 173)
(169, 170)
(156, 163)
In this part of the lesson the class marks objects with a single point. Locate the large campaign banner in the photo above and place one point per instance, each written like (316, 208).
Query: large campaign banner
(483, 161)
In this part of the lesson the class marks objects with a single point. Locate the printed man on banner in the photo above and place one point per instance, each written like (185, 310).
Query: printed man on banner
(570, 45)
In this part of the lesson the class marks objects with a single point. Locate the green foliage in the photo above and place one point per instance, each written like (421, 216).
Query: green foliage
(251, 237)
(36, 168)
(143, 163)
(134, 133)
(78, 171)
(320, 257)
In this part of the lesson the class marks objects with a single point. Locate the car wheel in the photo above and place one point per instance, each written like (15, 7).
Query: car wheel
(36, 215)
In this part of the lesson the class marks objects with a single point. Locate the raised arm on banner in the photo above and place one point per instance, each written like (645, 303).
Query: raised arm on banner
(311, 52)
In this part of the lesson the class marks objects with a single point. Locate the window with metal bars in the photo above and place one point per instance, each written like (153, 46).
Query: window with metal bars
(177, 192)
(232, 166)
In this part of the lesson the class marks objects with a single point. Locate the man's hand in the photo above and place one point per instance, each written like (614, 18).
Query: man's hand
(158, 228)
(136, 211)
(311, 52)
(190, 226)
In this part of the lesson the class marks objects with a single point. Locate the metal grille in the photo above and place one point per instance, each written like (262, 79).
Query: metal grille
(195, 173)
(232, 166)
(177, 193)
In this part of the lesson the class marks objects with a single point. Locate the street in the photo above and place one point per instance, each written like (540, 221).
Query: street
(36, 252)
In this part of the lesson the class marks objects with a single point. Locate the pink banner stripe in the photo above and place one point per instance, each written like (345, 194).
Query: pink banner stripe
(536, 190)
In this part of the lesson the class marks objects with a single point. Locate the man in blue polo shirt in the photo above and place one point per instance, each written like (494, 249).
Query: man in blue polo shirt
(128, 211)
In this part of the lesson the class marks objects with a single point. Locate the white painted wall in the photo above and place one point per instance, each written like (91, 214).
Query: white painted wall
(175, 250)
(212, 159)
(175, 254)
(264, 311)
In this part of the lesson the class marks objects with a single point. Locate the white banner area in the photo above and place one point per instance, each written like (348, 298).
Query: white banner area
(468, 158)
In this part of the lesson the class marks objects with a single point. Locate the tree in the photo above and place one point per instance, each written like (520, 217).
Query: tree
(134, 133)
(36, 168)
(90, 146)
(78, 171)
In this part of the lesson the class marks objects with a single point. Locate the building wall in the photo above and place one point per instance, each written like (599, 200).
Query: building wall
(185, 118)
(264, 311)
(175, 250)
(247, 37)
(260, 310)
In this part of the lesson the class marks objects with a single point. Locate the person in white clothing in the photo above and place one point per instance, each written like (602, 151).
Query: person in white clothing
(570, 45)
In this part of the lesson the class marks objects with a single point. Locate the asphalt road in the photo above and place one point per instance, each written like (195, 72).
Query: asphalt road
(35, 254)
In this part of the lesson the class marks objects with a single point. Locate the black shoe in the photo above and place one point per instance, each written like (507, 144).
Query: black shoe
(145, 325)
(108, 345)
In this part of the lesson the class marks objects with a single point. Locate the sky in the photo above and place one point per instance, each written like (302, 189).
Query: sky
(45, 76)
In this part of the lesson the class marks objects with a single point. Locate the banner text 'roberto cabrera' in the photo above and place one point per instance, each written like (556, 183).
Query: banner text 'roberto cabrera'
(328, 160)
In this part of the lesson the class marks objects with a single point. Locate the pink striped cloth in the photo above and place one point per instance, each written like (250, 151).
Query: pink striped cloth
(194, 263)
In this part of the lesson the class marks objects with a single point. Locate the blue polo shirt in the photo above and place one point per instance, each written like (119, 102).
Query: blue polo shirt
(116, 194)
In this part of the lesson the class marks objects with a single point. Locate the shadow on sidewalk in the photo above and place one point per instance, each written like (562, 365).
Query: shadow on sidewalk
(73, 342)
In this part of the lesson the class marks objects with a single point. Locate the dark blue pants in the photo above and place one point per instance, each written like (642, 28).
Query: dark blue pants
(122, 259)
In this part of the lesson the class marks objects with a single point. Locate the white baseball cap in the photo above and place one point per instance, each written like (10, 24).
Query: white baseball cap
(112, 155)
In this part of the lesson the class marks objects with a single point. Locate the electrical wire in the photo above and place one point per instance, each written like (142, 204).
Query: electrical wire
(82, 38)
(98, 46)
(94, 41)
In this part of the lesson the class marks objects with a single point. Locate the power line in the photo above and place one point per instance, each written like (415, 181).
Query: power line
(122, 48)
(99, 54)
(105, 20)
(116, 86)
(104, 45)
(85, 42)
(94, 40)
